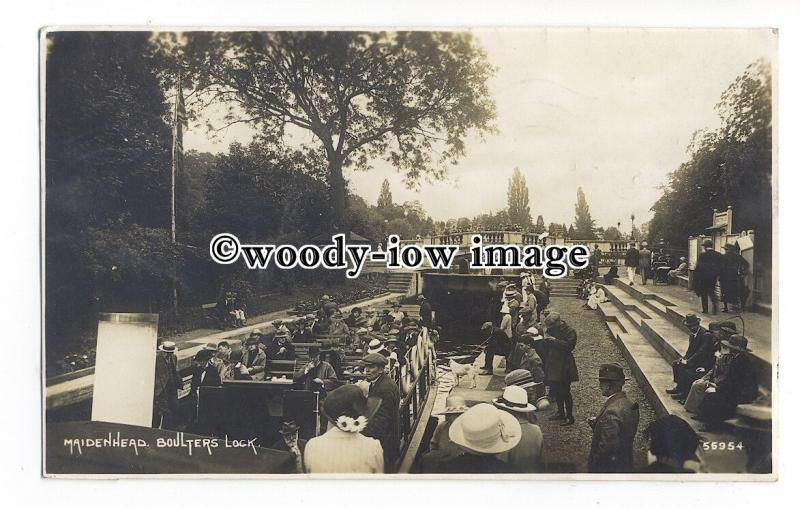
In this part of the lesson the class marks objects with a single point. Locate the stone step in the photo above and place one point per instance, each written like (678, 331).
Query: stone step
(654, 375)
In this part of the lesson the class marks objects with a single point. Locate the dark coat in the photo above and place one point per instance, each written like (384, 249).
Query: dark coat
(426, 314)
(559, 363)
(735, 377)
(700, 352)
(612, 436)
(211, 378)
(632, 257)
(707, 271)
(385, 423)
(274, 347)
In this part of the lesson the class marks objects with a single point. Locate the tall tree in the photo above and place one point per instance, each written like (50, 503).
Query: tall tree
(403, 95)
(519, 211)
(385, 197)
(584, 225)
(612, 234)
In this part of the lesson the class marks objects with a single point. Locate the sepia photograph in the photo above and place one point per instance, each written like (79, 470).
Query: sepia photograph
(529, 253)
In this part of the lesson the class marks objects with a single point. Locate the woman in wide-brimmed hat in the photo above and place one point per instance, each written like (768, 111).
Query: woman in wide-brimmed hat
(343, 449)
(482, 433)
(525, 456)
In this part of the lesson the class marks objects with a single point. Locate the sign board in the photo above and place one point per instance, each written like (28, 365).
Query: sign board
(124, 373)
(693, 249)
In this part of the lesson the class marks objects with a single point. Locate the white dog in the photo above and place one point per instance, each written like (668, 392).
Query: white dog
(460, 370)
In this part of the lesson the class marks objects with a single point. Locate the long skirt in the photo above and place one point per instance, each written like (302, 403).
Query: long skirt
(696, 394)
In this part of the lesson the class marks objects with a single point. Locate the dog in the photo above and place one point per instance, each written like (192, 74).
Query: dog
(460, 370)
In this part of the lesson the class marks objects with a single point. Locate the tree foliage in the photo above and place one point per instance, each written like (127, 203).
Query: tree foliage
(519, 210)
(402, 96)
(584, 224)
(730, 166)
(385, 197)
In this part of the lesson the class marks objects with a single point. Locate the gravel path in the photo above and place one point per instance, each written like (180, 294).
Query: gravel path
(567, 448)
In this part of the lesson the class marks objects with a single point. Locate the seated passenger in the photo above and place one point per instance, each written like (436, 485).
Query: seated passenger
(254, 359)
(318, 375)
(236, 369)
(355, 319)
(337, 326)
(613, 273)
(681, 271)
(280, 347)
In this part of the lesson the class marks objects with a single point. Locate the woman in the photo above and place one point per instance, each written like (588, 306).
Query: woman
(342, 449)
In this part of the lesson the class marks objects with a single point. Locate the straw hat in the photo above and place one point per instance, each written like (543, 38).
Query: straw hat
(167, 346)
(486, 430)
(514, 398)
(454, 404)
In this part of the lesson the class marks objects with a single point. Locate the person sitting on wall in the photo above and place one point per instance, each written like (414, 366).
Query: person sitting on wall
(699, 357)
(732, 382)
(681, 271)
(613, 273)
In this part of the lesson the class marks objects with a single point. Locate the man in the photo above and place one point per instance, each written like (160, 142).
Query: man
(328, 306)
(497, 343)
(372, 320)
(204, 372)
(631, 262)
(385, 423)
(542, 301)
(280, 347)
(317, 375)
(672, 443)
(699, 355)
(525, 322)
(706, 274)
(337, 326)
(165, 390)
(396, 313)
(731, 382)
(291, 442)
(614, 427)
(236, 369)
(594, 261)
(304, 333)
(425, 312)
(731, 280)
(560, 370)
(254, 359)
(645, 263)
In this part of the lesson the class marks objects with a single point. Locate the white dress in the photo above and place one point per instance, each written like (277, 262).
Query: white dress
(338, 451)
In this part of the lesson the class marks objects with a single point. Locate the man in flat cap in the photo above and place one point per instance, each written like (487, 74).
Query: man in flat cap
(614, 427)
(385, 423)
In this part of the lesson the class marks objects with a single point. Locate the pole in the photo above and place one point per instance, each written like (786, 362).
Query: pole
(173, 171)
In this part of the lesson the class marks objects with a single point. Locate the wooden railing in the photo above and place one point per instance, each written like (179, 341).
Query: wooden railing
(411, 406)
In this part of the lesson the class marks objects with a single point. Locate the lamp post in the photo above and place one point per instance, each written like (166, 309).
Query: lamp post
(632, 219)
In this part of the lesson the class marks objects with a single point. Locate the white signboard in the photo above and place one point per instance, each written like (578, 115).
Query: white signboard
(124, 372)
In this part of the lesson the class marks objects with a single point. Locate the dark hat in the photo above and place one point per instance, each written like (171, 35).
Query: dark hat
(288, 428)
(211, 346)
(349, 400)
(313, 351)
(203, 355)
(611, 372)
(708, 243)
(691, 319)
(253, 338)
(223, 343)
(552, 318)
(728, 327)
(671, 436)
(737, 342)
(236, 356)
(729, 246)
(374, 359)
(396, 304)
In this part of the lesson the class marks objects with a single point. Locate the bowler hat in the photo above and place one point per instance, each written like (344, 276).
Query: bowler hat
(203, 355)
(552, 318)
(211, 346)
(708, 243)
(737, 342)
(252, 339)
(374, 359)
(313, 351)
(611, 372)
(691, 319)
(289, 428)
(728, 327)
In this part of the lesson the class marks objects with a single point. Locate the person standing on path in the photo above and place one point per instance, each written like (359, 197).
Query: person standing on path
(614, 427)
(645, 263)
(560, 370)
(631, 262)
(706, 274)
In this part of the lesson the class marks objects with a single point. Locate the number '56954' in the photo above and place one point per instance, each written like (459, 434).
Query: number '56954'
(722, 445)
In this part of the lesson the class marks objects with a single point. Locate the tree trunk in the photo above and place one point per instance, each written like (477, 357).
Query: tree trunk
(339, 219)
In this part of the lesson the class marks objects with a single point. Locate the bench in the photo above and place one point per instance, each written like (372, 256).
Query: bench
(281, 367)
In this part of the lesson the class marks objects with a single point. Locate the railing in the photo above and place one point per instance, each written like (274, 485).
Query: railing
(411, 406)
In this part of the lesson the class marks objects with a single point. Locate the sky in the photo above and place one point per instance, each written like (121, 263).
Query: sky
(610, 110)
